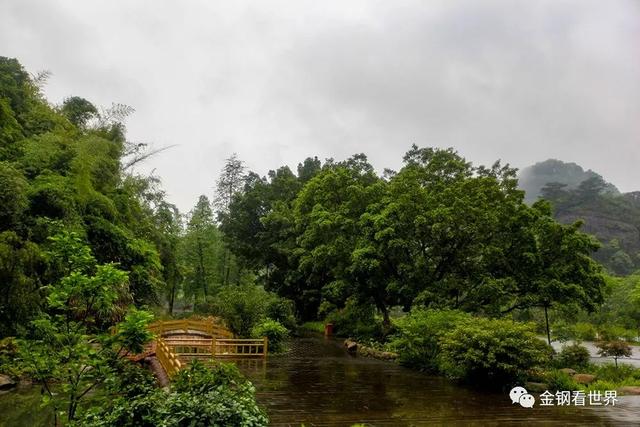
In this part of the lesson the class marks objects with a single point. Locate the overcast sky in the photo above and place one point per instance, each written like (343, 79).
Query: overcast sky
(277, 81)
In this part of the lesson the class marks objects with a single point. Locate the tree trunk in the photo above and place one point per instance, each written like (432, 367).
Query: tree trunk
(546, 318)
(228, 267)
(203, 275)
(386, 321)
(172, 298)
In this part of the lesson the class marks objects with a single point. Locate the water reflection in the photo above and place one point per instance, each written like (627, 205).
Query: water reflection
(317, 383)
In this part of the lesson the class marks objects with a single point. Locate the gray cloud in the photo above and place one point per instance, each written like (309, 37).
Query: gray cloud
(278, 81)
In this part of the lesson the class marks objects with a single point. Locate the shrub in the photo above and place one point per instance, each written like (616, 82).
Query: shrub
(494, 352)
(615, 333)
(562, 331)
(8, 354)
(243, 307)
(558, 380)
(356, 321)
(584, 331)
(574, 356)
(313, 326)
(601, 385)
(275, 332)
(283, 311)
(613, 373)
(199, 396)
(417, 337)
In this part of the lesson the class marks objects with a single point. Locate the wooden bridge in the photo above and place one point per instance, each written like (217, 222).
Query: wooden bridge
(178, 341)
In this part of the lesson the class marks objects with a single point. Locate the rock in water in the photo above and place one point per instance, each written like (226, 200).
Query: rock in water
(6, 382)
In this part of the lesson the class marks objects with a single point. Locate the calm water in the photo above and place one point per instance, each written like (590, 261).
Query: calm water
(317, 383)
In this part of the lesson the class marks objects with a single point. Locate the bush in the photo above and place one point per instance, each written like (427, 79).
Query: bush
(356, 320)
(601, 385)
(558, 380)
(574, 356)
(9, 353)
(615, 333)
(609, 372)
(244, 307)
(199, 396)
(275, 332)
(584, 331)
(494, 352)
(562, 331)
(283, 311)
(313, 326)
(417, 337)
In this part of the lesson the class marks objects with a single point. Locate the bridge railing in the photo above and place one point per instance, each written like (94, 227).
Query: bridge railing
(240, 347)
(167, 358)
(210, 326)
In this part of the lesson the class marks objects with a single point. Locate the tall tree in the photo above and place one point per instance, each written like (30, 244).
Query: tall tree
(556, 268)
(202, 249)
(229, 184)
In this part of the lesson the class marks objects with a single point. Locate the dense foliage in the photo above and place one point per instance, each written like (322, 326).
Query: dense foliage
(438, 233)
(275, 333)
(419, 334)
(492, 351)
(85, 244)
(573, 356)
(69, 167)
(199, 396)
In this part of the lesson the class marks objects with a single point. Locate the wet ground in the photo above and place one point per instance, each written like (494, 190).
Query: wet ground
(634, 359)
(317, 383)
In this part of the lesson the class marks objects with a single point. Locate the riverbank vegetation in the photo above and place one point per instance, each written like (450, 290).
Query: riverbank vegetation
(88, 248)
(441, 262)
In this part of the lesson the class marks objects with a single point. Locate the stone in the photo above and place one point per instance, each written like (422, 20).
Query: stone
(352, 346)
(629, 390)
(584, 378)
(6, 382)
(568, 371)
(387, 355)
(533, 387)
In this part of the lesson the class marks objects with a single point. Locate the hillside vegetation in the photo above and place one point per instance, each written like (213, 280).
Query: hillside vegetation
(614, 218)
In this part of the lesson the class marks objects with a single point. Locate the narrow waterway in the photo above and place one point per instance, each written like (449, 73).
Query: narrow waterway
(319, 384)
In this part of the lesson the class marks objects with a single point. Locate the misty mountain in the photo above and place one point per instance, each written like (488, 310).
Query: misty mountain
(533, 178)
(576, 194)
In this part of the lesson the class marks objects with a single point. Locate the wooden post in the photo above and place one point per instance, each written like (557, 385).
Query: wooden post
(265, 340)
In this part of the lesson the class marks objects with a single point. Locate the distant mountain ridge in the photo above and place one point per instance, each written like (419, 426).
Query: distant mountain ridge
(612, 217)
(533, 178)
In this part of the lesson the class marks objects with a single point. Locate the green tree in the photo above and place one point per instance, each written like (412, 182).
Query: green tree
(72, 346)
(615, 349)
(78, 110)
(555, 267)
(202, 250)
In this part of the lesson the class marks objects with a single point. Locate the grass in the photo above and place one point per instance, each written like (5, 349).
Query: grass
(608, 377)
(313, 326)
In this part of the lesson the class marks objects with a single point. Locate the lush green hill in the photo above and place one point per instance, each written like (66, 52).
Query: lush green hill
(576, 194)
